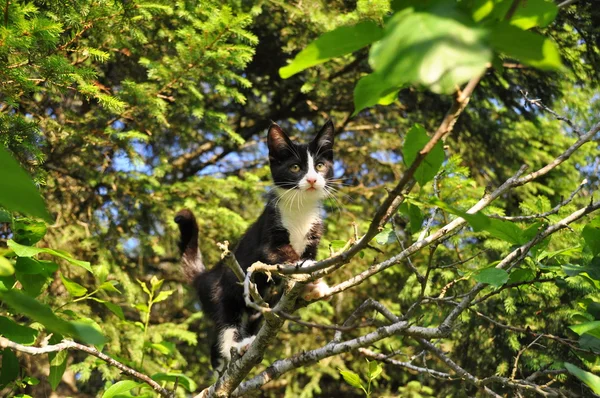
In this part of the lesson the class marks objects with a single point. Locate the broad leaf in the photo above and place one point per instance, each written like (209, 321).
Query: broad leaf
(532, 49)
(18, 192)
(352, 378)
(10, 367)
(588, 378)
(386, 236)
(521, 275)
(338, 42)
(74, 288)
(6, 267)
(58, 363)
(109, 286)
(586, 327)
(532, 13)
(17, 333)
(184, 381)
(41, 313)
(162, 296)
(371, 90)
(27, 231)
(493, 276)
(375, 370)
(591, 234)
(415, 141)
(439, 48)
(30, 251)
(120, 388)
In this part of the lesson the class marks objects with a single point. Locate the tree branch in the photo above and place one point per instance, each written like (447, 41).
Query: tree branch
(71, 345)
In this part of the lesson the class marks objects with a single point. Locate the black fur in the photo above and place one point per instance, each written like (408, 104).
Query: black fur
(266, 240)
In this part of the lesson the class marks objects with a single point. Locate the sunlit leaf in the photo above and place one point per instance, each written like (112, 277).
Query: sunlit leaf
(18, 192)
(338, 42)
(533, 49)
(415, 141)
(495, 277)
(29, 251)
(591, 380)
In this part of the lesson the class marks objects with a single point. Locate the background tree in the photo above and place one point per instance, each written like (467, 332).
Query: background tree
(124, 112)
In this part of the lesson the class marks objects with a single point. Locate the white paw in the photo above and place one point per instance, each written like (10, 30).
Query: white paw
(315, 290)
(243, 346)
(305, 263)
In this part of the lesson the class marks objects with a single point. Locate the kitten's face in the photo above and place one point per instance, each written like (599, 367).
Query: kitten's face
(303, 167)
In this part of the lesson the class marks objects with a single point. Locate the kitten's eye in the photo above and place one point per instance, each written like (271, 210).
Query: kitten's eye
(295, 168)
(320, 166)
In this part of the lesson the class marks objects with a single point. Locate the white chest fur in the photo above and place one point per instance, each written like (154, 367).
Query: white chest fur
(299, 220)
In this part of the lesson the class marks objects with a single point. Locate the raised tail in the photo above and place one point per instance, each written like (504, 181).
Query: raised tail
(191, 256)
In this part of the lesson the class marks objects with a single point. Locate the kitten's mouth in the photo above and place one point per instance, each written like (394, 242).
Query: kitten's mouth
(311, 189)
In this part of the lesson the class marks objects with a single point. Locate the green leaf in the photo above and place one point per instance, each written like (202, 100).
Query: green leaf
(375, 370)
(18, 192)
(30, 266)
(144, 287)
(586, 327)
(33, 284)
(591, 380)
(386, 236)
(415, 141)
(27, 231)
(162, 296)
(338, 42)
(532, 49)
(164, 347)
(120, 388)
(501, 229)
(18, 333)
(184, 381)
(495, 277)
(337, 245)
(532, 13)
(58, 363)
(352, 378)
(109, 286)
(30, 251)
(41, 313)
(10, 367)
(521, 275)
(591, 235)
(6, 267)
(416, 218)
(371, 90)
(74, 288)
(439, 48)
(593, 270)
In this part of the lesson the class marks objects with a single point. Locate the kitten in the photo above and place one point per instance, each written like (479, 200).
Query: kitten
(288, 231)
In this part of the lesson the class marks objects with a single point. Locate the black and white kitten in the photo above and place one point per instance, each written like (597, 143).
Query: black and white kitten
(288, 231)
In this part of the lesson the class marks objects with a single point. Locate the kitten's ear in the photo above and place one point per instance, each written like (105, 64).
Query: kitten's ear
(277, 140)
(325, 137)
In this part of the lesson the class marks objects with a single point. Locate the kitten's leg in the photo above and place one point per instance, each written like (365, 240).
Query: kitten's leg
(230, 338)
(313, 290)
(244, 345)
(227, 340)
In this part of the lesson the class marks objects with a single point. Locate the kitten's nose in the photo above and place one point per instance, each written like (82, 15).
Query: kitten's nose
(311, 180)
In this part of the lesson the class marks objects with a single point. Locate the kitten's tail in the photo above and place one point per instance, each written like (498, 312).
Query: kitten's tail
(191, 256)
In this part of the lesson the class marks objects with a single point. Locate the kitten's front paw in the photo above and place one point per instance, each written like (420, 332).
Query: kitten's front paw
(315, 290)
(243, 346)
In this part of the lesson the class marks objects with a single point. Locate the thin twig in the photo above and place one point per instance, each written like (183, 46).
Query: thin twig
(554, 210)
(71, 345)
